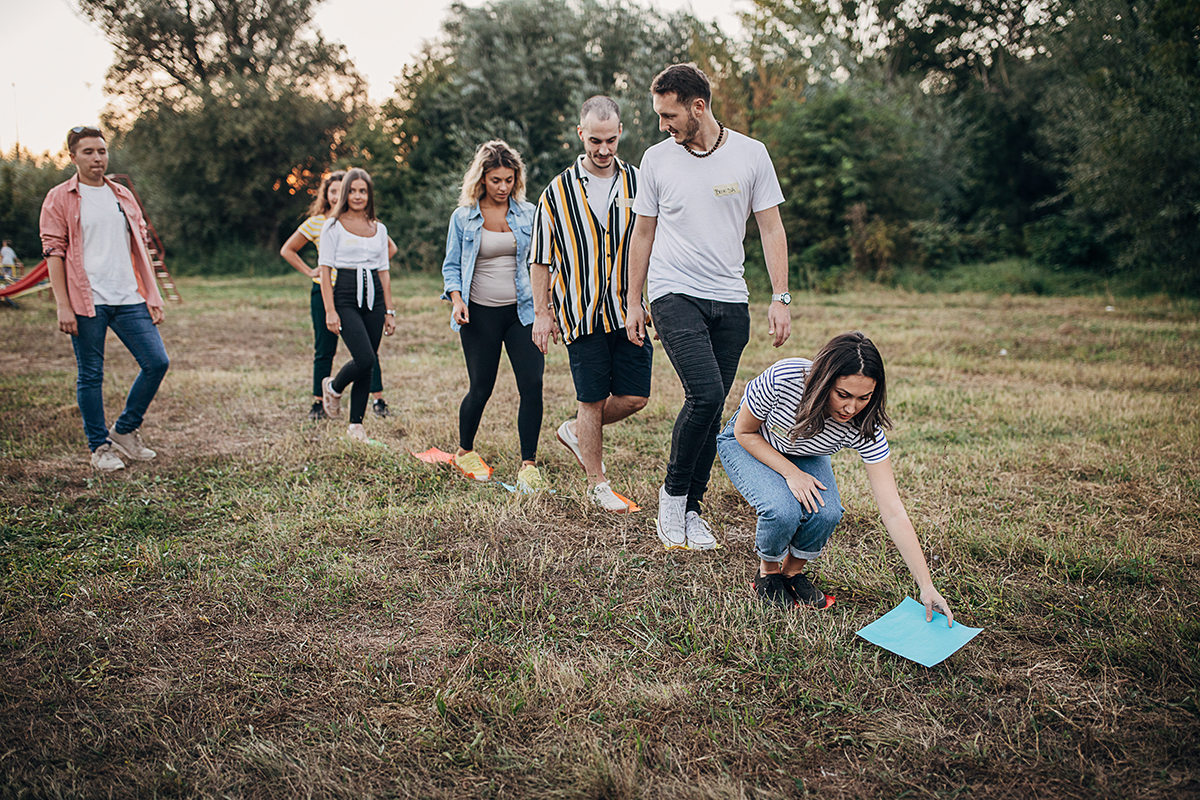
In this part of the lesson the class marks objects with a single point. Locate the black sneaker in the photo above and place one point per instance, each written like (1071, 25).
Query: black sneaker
(807, 594)
(380, 407)
(773, 590)
(317, 411)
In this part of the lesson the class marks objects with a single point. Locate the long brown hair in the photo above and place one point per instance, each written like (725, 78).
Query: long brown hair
(320, 206)
(356, 174)
(847, 354)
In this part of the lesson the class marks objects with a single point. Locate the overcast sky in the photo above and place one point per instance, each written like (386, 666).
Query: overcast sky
(52, 62)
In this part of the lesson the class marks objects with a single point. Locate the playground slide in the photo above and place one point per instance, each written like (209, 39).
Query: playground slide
(27, 284)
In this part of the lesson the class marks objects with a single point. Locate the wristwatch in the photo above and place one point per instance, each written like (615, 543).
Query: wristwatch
(391, 312)
(785, 298)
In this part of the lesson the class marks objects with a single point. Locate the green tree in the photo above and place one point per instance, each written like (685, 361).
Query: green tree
(231, 110)
(519, 70)
(1125, 120)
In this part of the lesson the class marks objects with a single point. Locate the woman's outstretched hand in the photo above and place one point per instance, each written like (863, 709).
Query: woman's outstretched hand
(932, 599)
(804, 487)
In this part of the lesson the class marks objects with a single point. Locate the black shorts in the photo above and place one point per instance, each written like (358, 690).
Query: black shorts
(605, 364)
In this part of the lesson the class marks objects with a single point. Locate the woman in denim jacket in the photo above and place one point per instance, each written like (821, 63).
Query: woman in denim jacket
(486, 275)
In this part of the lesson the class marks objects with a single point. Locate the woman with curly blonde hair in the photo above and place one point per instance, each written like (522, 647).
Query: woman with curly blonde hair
(486, 278)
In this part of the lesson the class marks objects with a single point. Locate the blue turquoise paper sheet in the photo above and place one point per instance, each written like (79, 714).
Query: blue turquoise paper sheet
(904, 631)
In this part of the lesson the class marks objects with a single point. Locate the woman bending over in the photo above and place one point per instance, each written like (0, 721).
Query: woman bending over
(360, 307)
(776, 451)
(486, 277)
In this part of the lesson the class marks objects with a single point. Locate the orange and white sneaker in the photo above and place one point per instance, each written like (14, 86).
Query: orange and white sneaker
(472, 466)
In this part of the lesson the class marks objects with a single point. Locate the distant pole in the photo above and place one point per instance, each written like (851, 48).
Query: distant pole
(16, 120)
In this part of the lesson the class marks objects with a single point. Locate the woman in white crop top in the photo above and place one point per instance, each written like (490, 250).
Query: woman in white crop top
(360, 306)
(776, 452)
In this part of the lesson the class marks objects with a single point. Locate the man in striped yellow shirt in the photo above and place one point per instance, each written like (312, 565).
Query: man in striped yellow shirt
(579, 255)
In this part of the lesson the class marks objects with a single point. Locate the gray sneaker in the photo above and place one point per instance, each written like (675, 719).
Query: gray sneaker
(671, 522)
(130, 444)
(105, 460)
(699, 534)
(331, 400)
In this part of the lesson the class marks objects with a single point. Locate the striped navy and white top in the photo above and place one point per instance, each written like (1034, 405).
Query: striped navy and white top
(774, 397)
(588, 257)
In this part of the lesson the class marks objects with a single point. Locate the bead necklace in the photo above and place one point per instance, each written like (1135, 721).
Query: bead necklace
(720, 138)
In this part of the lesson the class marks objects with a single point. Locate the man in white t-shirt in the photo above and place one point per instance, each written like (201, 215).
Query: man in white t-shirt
(696, 192)
(8, 259)
(94, 241)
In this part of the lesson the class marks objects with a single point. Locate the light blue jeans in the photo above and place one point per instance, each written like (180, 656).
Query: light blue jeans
(137, 332)
(784, 526)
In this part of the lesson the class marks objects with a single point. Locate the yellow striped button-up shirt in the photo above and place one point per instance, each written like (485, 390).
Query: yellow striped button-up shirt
(589, 261)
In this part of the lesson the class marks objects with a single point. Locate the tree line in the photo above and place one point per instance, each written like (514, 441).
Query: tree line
(915, 135)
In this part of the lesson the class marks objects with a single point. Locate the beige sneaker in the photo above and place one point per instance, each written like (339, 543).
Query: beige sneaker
(130, 444)
(530, 479)
(603, 496)
(105, 460)
(331, 400)
(358, 433)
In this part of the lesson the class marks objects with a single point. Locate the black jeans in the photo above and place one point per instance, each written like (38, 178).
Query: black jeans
(704, 340)
(325, 344)
(489, 328)
(362, 329)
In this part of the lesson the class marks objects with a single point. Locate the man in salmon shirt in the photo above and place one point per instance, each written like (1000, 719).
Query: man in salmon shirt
(94, 241)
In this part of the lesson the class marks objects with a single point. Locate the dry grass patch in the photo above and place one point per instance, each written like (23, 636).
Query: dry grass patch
(268, 611)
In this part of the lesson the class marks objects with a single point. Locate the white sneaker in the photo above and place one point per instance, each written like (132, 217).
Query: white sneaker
(357, 433)
(331, 400)
(130, 444)
(671, 522)
(699, 534)
(571, 442)
(603, 496)
(105, 460)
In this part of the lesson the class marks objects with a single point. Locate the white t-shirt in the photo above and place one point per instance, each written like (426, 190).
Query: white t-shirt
(702, 205)
(107, 259)
(8, 256)
(599, 191)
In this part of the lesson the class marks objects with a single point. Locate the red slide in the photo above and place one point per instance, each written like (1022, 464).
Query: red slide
(27, 284)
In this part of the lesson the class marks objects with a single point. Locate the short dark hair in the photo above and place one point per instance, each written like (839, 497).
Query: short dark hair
(847, 354)
(81, 132)
(601, 107)
(686, 81)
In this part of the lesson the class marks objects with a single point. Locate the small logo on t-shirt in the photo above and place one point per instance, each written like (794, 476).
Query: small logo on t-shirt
(724, 190)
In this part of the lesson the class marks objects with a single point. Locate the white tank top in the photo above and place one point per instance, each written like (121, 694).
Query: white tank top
(494, 282)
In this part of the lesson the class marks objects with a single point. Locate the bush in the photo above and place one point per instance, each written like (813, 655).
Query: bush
(1062, 242)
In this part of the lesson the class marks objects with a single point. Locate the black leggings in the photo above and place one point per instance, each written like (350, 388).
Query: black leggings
(362, 328)
(482, 337)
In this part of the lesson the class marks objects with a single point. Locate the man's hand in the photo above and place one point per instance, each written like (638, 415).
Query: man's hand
(635, 324)
(545, 328)
(156, 314)
(780, 319)
(66, 321)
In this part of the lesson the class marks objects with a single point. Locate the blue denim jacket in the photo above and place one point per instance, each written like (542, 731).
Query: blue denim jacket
(462, 248)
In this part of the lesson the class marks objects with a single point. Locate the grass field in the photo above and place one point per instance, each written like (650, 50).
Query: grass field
(266, 611)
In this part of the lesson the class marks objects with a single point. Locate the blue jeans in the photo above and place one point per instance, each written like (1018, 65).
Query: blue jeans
(784, 526)
(138, 333)
(704, 340)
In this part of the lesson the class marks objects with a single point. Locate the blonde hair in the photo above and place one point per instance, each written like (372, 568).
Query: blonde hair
(356, 174)
(492, 155)
(320, 205)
